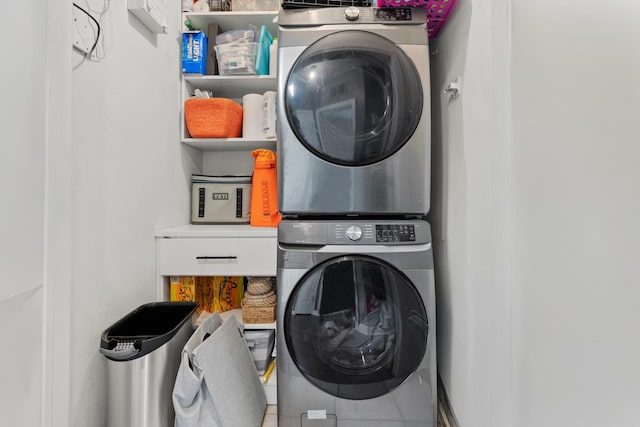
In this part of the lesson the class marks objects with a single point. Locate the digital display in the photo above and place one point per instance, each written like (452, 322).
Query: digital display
(394, 14)
(395, 233)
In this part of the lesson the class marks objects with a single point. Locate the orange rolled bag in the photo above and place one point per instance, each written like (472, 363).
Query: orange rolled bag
(264, 190)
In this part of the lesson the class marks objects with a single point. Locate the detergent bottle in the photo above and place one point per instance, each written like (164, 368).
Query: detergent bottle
(264, 190)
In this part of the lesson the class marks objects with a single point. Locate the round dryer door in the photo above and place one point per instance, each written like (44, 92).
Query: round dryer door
(353, 98)
(356, 327)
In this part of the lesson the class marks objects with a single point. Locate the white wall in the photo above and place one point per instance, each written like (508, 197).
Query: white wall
(22, 120)
(130, 177)
(576, 205)
(470, 212)
(535, 213)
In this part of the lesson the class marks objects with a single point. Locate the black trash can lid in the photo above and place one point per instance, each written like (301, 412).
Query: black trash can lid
(145, 329)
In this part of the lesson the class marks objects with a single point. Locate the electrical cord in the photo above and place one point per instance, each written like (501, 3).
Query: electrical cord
(105, 8)
(95, 43)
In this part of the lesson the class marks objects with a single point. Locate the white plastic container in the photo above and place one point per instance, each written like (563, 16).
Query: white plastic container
(273, 57)
(260, 343)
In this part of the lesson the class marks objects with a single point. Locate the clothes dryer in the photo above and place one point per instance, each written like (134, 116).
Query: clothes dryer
(353, 111)
(356, 324)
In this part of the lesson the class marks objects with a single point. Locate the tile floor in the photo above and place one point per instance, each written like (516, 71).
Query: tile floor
(271, 417)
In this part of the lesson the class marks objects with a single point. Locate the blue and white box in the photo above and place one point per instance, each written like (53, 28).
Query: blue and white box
(194, 52)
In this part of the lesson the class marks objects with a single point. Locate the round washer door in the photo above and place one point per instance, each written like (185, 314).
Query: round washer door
(356, 327)
(353, 98)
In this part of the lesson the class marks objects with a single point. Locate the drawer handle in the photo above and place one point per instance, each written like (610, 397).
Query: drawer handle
(217, 257)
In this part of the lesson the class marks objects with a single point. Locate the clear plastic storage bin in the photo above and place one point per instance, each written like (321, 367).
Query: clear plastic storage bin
(236, 58)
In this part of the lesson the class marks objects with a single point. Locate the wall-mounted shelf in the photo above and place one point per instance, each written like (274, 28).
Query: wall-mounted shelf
(237, 313)
(230, 144)
(233, 20)
(152, 14)
(232, 86)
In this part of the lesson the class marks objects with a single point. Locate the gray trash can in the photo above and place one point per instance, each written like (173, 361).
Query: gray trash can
(143, 351)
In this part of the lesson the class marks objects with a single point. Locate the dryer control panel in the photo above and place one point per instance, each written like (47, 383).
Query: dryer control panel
(392, 14)
(395, 233)
(314, 17)
(366, 232)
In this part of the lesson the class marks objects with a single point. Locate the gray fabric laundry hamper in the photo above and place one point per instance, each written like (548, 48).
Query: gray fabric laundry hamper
(217, 383)
(143, 354)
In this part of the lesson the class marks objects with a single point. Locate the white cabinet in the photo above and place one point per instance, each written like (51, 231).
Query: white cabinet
(217, 250)
(214, 250)
(228, 249)
(216, 256)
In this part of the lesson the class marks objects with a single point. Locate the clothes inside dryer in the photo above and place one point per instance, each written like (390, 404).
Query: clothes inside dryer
(356, 331)
(356, 321)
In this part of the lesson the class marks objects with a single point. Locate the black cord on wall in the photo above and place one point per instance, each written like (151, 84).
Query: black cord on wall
(95, 43)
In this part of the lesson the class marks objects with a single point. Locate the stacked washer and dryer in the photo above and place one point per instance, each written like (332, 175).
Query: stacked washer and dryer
(356, 338)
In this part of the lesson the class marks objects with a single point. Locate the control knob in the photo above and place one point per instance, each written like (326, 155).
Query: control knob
(352, 13)
(354, 233)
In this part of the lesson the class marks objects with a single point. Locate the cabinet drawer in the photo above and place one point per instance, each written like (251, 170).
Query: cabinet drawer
(217, 256)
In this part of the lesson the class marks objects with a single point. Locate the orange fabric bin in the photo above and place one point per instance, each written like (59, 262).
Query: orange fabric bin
(213, 118)
(264, 190)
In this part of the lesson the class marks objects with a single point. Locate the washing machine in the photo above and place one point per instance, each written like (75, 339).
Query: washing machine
(353, 111)
(356, 340)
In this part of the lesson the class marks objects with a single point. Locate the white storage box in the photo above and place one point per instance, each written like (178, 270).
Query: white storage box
(254, 5)
(220, 199)
(260, 343)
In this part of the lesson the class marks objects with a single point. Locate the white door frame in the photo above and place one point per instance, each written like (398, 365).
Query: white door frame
(58, 217)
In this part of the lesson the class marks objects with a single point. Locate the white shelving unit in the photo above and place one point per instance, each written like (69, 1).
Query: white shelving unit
(229, 86)
(229, 249)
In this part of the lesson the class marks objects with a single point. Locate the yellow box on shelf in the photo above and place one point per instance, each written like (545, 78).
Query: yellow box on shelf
(212, 293)
(183, 288)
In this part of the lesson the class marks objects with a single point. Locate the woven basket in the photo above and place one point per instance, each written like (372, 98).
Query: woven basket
(258, 313)
(259, 285)
(260, 300)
